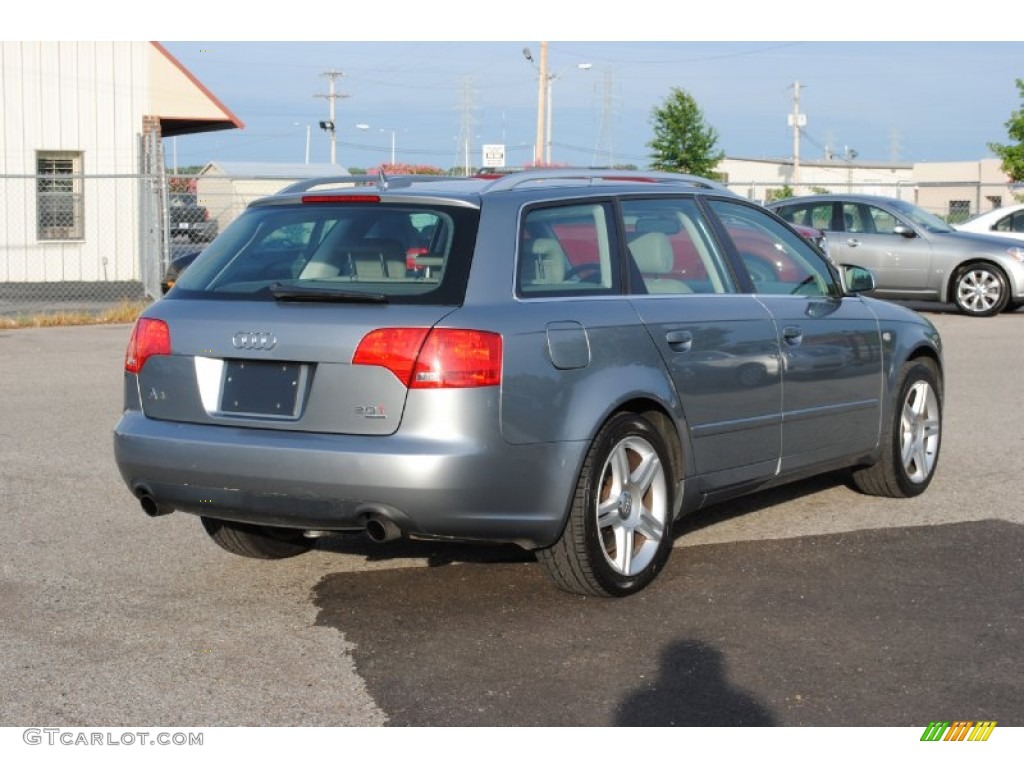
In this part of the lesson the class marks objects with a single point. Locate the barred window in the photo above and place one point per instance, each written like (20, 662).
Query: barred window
(59, 203)
(959, 210)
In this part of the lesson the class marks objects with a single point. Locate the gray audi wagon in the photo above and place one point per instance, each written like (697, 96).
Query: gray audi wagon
(565, 360)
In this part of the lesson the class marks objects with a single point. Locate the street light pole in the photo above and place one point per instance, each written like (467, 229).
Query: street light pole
(392, 131)
(308, 130)
(551, 81)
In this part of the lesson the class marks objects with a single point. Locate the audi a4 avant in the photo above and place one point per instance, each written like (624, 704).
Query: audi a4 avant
(566, 360)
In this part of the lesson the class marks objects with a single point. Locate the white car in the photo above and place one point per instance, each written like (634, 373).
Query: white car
(1007, 221)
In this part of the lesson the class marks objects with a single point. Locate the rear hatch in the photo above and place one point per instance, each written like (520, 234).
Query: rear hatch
(306, 316)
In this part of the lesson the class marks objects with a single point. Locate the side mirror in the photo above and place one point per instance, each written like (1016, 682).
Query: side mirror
(857, 279)
(904, 231)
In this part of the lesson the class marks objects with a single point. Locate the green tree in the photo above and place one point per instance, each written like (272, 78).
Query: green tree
(1012, 155)
(779, 194)
(683, 141)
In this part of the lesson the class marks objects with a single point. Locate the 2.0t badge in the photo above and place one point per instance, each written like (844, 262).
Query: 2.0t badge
(254, 340)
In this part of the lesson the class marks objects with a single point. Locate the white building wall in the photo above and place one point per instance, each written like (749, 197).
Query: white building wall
(754, 178)
(87, 97)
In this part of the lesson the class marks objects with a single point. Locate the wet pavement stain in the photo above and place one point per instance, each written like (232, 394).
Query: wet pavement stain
(891, 627)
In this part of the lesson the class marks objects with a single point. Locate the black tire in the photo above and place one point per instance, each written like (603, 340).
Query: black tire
(910, 452)
(980, 289)
(625, 494)
(256, 541)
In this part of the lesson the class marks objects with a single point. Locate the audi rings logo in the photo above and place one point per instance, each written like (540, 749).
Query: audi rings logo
(254, 340)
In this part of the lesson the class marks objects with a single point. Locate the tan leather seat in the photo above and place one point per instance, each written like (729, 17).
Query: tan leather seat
(378, 260)
(653, 254)
(370, 259)
(546, 263)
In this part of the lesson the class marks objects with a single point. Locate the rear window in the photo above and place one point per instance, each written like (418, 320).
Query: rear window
(407, 254)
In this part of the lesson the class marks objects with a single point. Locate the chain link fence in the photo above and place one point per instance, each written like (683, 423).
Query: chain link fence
(73, 243)
(87, 243)
(76, 243)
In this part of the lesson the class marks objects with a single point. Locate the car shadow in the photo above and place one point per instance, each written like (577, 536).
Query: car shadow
(443, 553)
(760, 500)
(434, 553)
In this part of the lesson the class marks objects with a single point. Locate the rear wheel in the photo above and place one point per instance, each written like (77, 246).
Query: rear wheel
(257, 541)
(981, 290)
(910, 451)
(619, 532)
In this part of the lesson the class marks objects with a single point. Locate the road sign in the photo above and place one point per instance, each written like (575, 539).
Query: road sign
(494, 156)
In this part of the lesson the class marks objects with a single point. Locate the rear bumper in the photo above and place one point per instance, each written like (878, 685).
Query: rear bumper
(484, 491)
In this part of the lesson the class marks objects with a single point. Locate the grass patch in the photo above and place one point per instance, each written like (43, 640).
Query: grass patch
(125, 312)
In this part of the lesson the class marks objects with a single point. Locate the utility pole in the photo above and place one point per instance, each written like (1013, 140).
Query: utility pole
(796, 121)
(331, 96)
(466, 125)
(605, 141)
(542, 89)
(543, 99)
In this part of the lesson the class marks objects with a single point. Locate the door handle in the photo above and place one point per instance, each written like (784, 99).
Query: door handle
(792, 335)
(853, 242)
(680, 341)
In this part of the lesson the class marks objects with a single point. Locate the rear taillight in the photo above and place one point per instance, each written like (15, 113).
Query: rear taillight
(392, 348)
(149, 337)
(441, 358)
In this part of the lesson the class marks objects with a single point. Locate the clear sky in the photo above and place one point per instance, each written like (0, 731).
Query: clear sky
(904, 97)
(889, 101)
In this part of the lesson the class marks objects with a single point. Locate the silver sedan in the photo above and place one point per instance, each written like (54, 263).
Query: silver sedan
(914, 254)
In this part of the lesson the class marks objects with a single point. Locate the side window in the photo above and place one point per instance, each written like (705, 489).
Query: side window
(817, 215)
(1011, 223)
(856, 219)
(567, 250)
(671, 247)
(883, 222)
(777, 260)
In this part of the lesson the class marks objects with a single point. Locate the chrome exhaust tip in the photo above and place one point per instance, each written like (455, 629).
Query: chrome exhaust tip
(150, 505)
(380, 529)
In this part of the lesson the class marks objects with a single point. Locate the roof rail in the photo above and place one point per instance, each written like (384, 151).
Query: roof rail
(379, 180)
(591, 175)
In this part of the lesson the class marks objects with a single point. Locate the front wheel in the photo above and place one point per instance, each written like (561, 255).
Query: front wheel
(981, 290)
(257, 541)
(910, 451)
(619, 532)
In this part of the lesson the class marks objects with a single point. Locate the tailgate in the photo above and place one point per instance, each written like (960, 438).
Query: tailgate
(276, 366)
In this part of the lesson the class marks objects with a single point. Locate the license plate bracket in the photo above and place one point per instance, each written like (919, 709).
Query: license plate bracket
(262, 388)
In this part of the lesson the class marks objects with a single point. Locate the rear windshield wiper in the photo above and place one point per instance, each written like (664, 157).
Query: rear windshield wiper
(283, 292)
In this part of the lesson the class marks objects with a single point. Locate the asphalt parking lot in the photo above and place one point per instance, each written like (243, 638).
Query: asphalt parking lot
(805, 605)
